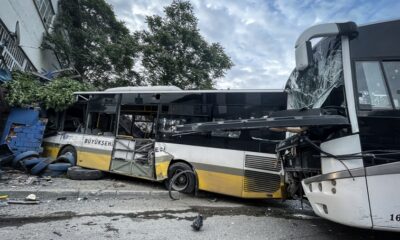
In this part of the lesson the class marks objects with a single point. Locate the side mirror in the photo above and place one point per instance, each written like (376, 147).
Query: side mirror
(303, 55)
(303, 44)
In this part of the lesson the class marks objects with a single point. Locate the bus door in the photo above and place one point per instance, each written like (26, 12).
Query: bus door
(133, 152)
(99, 133)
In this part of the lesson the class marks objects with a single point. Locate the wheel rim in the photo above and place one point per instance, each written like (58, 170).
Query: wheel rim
(181, 182)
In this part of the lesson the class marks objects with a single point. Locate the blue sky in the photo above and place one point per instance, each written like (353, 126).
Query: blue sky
(259, 35)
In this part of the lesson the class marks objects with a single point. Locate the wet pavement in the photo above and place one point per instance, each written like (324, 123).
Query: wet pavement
(152, 218)
(17, 180)
(156, 217)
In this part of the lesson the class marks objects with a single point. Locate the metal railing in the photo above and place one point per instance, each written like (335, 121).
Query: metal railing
(11, 55)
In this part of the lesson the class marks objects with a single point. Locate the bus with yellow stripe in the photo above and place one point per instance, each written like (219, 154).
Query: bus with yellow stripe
(130, 131)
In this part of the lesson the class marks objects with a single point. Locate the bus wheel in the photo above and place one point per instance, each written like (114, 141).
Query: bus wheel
(186, 181)
(68, 150)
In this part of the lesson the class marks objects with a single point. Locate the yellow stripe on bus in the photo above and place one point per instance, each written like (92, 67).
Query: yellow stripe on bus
(220, 182)
(217, 182)
(85, 159)
(94, 160)
(229, 184)
(162, 170)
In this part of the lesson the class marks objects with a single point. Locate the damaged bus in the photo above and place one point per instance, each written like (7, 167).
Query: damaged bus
(342, 149)
(349, 172)
(130, 131)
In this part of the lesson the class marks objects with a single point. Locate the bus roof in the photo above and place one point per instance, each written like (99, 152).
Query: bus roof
(181, 91)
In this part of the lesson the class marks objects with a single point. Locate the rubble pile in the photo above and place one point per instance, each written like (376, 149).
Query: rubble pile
(15, 178)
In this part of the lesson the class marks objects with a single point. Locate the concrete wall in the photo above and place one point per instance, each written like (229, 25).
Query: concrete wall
(32, 31)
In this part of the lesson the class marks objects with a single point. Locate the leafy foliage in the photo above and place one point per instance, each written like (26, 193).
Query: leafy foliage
(58, 94)
(175, 53)
(88, 36)
(25, 90)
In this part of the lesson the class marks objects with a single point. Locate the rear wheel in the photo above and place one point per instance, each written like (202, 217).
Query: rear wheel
(185, 182)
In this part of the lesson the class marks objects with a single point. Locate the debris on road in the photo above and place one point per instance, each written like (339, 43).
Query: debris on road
(31, 197)
(16, 178)
(23, 201)
(197, 223)
(3, 200)
(118, 185)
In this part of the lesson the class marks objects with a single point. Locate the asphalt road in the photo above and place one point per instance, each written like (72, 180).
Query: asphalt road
(162, 218)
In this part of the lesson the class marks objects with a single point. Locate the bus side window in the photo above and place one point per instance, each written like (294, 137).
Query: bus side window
(372, 91)
(73, 118)
(392, 72)
(101, 124)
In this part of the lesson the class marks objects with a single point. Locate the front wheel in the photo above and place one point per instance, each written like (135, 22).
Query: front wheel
(185, 182)
(68, 154)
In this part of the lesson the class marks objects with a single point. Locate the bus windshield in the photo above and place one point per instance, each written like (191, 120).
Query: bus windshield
(311, 87)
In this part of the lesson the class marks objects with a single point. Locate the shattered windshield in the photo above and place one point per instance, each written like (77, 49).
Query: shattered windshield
(311, 87)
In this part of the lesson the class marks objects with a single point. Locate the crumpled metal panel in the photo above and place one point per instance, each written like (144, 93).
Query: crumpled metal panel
(310, 88)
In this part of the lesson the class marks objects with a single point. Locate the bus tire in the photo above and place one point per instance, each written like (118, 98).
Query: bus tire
(61, 167)
(78, 173)
(41, 166)
(31, 161)
(68, 154)
(186, 182)
(24, 155)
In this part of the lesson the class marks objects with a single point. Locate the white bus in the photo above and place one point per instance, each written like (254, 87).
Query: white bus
(130, 131)
(342, 149)
(350, 174)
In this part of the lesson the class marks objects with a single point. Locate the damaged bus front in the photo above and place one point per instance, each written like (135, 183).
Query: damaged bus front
(342, 148)
(349, 173)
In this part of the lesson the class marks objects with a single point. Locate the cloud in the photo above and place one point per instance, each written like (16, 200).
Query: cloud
(259, 35)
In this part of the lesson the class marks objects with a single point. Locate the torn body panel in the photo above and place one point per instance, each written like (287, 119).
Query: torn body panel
(282, 119)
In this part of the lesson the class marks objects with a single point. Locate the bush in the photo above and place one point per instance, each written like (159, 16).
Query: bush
(26, 91)
(58, 94)
(23, 90)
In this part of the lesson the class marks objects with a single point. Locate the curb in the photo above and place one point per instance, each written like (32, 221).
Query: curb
(90, 194)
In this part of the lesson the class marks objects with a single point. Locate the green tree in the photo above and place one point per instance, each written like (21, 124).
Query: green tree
(25, 90)
(88, 36)
(175, 53)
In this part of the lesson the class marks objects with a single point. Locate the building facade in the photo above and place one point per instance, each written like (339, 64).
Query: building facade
(23, 24)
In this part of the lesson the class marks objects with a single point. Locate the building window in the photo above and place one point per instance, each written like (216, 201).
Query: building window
(11, 55)
(46, 11)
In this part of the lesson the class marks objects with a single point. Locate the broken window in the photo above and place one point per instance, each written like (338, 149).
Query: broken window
(311, 87)
(100, 123)
(137, 121)
(73, 118)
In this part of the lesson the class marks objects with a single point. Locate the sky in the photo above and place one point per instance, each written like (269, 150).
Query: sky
(259, 35)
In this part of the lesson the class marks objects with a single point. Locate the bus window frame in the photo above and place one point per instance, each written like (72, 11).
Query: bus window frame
(363, 111)
(116, 113)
